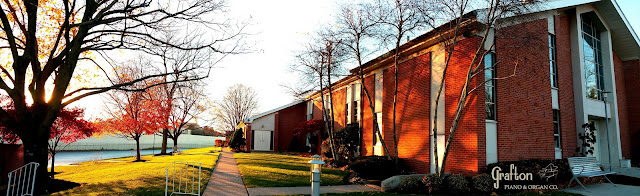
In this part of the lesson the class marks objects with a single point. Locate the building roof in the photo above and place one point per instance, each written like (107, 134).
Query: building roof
(251, 119)
(625, 41)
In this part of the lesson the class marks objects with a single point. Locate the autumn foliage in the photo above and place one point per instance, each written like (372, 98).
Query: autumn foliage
(313, 126)
(69, 127)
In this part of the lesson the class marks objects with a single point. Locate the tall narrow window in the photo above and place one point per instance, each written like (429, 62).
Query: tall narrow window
(348, 109)
(556, 128)
(327, 107)
(378, 104)
(310, 109)
(490, 90)
(356, 102)
(553, 66)
(594, 81)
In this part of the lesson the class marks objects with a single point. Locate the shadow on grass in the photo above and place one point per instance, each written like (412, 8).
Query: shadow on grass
(146, 186)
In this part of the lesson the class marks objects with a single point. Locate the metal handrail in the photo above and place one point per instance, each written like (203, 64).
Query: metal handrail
(22, 180)
(186, 171)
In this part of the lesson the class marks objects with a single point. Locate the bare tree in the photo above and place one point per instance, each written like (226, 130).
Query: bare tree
(186, 105)
(399, 18)
(357, 26)
(170, 59)
(237, 104)
(78, 28)
(318, 63)
(434, 14)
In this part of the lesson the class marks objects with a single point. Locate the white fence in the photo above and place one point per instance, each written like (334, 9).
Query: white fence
(110, 142)
(22, 180)
(181, 178)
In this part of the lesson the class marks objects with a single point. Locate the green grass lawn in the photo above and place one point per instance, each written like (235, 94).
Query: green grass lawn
(279, 170)
(122, 176)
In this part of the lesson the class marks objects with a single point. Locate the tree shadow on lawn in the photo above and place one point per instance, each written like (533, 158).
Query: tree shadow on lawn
(147, 186)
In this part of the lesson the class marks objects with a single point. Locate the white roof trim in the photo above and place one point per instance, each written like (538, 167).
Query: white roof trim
(251, 119)
(626, 22)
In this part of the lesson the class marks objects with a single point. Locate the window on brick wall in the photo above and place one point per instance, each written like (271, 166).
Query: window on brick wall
(553, 66)
(327, 108)
(489, 86)
(310, 109)
(556, 128)
(592, 52)
(378, 103)
(356, 102)
(348, 102)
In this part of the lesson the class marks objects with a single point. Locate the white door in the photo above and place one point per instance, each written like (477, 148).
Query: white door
(262, 140)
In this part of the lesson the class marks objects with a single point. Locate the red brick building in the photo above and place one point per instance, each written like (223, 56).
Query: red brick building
(273, 130)
(573, 52)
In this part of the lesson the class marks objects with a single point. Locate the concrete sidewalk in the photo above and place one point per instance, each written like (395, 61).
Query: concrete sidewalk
(306, 190)
(225, 178)
(604, 189)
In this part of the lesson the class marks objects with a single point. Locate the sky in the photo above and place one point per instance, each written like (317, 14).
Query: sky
(283, 27)
(279, 28)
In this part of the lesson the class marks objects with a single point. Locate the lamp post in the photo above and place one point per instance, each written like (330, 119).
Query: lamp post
(316, 169)
(606, 124)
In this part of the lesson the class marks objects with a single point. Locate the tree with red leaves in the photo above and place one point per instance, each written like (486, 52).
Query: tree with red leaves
(133, 114)
(68, 128)
(313, 126)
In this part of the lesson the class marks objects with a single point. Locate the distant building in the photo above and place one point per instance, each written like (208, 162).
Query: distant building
(273, 130)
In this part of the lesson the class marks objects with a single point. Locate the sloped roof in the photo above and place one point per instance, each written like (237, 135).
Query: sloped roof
(250, 119)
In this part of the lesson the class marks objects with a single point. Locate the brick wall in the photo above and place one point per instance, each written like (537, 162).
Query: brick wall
(367, 117)
(468, 149)
(621, 95)
(247, 137)
(631, 75)
(412, 111)
(339, 108)
(287, 120)
(524, 112)
(565, 86)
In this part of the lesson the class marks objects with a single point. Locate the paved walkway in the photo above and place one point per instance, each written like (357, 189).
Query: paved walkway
(631, 171)
(306, 190)
(604, 189)
(225, 178)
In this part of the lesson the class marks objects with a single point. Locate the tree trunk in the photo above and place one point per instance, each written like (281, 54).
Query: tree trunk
(164, 141)
(138, 149)
(53, 165)
(36, 149)
(395, 101)
(175, 143)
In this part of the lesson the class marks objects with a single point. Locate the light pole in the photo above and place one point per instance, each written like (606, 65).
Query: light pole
(316, 168)
(606, 124)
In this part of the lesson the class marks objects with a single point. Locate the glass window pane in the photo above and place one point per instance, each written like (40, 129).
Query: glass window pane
(488, 92)
(490, 111)
(588, 48)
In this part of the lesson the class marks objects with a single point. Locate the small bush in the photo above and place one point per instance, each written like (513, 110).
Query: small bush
(296, 146)
(374, 167)
(219, 143)
(237, 140)
(326, 149)
(483, 183)
(457, 183)
(409, 185)
(433, 182)
(347, 141)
